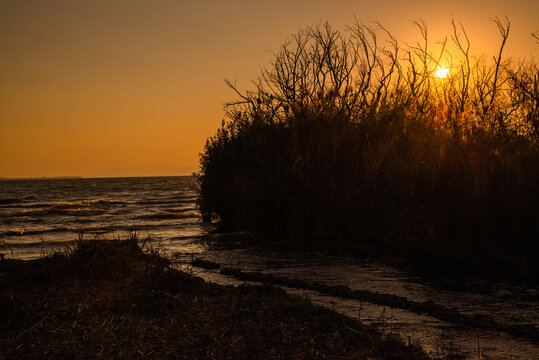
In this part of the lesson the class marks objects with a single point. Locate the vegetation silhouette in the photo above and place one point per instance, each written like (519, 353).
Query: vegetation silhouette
(351, 142)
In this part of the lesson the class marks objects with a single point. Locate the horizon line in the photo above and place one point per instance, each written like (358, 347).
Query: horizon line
(85, 177)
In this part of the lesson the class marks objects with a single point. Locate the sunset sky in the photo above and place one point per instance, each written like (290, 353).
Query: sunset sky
(134, 88)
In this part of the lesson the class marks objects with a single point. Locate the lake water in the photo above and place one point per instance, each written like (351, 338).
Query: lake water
(37, 216)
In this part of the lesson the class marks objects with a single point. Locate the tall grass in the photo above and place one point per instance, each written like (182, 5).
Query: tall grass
(351, 141)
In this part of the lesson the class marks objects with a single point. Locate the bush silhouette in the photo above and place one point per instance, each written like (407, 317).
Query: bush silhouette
(348, 144)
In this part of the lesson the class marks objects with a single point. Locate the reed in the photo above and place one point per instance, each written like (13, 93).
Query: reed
(352, 142)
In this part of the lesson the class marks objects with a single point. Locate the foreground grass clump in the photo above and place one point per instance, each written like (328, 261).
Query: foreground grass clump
(113, 300)
(351, 146)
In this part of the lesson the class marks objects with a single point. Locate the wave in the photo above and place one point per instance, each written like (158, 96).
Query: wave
(77, 209)
(22, 214)
(41, 243)
(163, 201)
(186, 237)
(26, 232)
(95, 207)
(157, 202)
(92, 230)
(87, 203)
(85, 208)
(20, 204)
(182, 197)
(15, 200)
(10, 200)
(58, 209)
(25, 206)
(16, 218)
(48, 243)
(170, 215)
(102, 201)
(180, 210)
(12, 232)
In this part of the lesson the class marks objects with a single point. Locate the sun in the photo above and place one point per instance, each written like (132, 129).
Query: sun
(442, 73)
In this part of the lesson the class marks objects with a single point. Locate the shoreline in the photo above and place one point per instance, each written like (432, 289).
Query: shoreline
(111, 299)
(428, 307)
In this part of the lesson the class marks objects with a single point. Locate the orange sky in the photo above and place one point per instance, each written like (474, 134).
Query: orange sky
(134, 88)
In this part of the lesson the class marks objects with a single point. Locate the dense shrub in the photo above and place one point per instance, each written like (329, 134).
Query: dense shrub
(348, 144)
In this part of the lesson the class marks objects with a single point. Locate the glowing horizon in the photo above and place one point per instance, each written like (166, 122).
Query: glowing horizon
(135, 87)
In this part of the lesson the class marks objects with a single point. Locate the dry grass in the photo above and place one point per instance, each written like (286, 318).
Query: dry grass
(112, 300)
